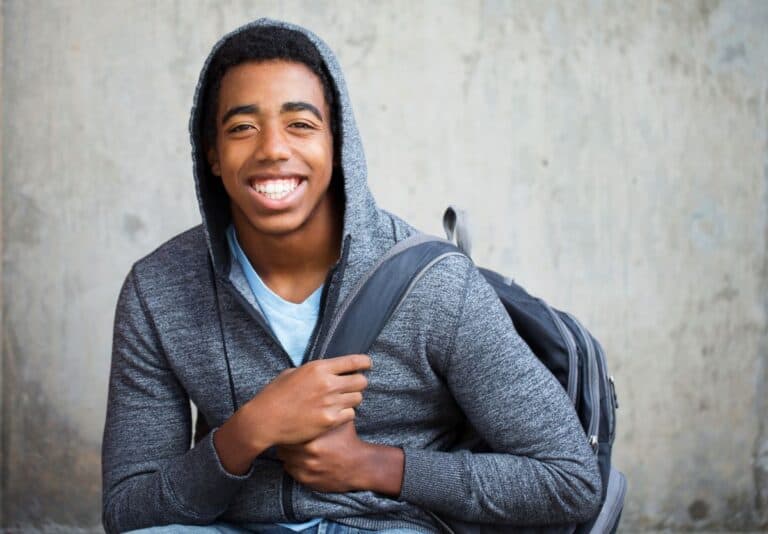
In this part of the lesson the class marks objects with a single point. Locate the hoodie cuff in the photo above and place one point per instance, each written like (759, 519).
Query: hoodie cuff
(200, 484)
(433, 479)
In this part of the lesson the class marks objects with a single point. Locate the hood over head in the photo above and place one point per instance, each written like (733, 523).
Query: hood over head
(360, 211)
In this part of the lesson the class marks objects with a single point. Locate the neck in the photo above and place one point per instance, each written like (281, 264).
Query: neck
(294, 265)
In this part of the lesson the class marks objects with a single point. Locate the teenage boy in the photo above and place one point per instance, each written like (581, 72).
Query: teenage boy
(230, 315)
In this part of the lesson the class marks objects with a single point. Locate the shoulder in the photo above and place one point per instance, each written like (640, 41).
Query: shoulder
(176, 256)
(446, 275)
(174, 268)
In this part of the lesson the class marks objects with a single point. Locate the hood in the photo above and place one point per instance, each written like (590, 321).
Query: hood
(360, 211)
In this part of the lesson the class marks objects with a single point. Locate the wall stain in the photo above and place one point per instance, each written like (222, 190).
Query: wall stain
(363, 45)
(133, 225)
(46, 458)
(23, 219)
(470, 68)
(698, 510)
(733, 52)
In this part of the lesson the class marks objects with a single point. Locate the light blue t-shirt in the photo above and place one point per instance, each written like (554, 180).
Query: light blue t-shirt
(291, 323)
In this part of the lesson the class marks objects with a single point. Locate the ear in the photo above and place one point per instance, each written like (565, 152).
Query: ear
(213, 161)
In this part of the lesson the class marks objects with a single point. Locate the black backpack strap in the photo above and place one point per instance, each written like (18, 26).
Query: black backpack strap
(376, 297)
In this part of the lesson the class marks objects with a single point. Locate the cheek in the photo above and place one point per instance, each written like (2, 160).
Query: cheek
(322, 156)
(232, 156)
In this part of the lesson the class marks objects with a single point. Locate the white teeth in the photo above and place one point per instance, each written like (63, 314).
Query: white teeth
(277, 189)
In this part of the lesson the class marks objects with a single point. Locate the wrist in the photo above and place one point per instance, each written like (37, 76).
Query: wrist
(236, 443)
(381, 469)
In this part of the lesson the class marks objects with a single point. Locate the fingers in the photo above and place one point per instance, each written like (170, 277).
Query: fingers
(350, 383)
(350, 400)
(346, 415)
(351, 363)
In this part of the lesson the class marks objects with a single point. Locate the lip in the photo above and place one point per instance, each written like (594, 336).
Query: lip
(282, 204)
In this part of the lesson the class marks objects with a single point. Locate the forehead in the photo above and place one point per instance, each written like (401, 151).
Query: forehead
(270, 84)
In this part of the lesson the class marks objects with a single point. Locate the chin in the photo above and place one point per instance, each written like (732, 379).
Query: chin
(277, 226)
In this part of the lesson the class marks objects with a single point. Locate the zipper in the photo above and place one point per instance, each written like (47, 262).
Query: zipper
(287, 498)
(329, 305)
(594, 381)
(287, 485)
(573, 357)
(610, 392)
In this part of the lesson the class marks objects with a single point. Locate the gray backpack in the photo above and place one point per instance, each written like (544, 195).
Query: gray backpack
(565, 347)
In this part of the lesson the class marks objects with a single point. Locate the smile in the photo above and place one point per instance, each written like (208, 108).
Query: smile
(276, 189)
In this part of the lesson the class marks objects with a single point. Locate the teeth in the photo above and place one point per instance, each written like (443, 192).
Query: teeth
(277, 189)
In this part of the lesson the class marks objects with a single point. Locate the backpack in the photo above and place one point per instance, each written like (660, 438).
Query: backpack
(557, 338)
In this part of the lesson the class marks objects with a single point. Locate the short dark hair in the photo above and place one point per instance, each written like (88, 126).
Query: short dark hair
(264, 43)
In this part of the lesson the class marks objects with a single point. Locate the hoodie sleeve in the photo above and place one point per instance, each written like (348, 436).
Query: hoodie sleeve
(150, 474)
(541, 470)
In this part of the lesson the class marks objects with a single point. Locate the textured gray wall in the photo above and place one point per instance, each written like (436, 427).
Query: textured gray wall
(613, 156)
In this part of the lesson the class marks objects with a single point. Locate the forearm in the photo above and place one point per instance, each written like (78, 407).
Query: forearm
(499, 488)
(192, 488)
(381, 469)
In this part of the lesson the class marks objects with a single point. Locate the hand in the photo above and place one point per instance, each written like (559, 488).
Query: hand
(327, 463)
(305, 402)
(297, 406)
(339, 461)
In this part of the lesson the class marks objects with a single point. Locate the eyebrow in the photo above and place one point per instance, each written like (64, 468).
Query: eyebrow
(301, 106)
(249, 109)
(253, 109)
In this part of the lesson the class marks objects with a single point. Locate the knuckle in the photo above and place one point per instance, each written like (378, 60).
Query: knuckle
(356, 398)
(325, 382)
(327, 417)
(363, 382)
(345, 416)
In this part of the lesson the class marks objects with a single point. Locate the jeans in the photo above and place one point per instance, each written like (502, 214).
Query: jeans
(324, 527)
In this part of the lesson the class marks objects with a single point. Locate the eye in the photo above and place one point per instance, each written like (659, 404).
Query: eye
(302, 125)
(241, 128)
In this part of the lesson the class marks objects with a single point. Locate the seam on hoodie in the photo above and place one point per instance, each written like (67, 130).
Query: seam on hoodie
(149, 318)
(394, 229)
(457, 323)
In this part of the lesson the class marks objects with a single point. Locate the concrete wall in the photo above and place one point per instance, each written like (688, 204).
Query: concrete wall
(613, 156)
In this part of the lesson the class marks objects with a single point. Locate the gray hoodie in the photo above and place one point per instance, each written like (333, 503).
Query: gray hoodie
(187, 328)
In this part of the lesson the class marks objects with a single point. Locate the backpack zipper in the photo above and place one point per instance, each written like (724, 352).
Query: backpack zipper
(610, 392)
(570, 344)
(594, 381)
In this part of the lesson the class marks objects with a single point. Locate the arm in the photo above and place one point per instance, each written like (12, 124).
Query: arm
(542, 470)
(150, 475)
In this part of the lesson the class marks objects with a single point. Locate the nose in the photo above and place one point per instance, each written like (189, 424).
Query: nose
(272, 143)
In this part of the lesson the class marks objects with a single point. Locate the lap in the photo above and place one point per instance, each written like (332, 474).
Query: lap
(326, 527)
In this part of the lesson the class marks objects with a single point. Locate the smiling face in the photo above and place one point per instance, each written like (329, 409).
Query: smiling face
(274, 147)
